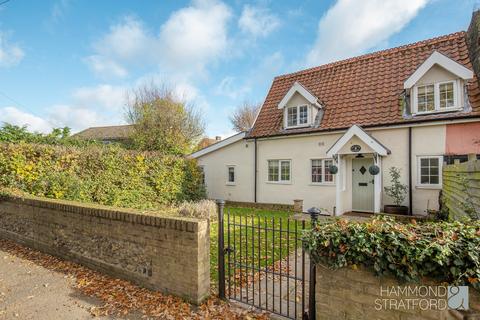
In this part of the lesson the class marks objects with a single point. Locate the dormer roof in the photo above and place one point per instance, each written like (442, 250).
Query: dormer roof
(436, 58)
(298, 88)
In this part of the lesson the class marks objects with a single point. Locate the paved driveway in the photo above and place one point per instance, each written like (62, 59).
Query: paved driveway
(29, 291)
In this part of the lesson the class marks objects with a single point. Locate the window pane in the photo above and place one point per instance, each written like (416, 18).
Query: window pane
(426, 98)
(303, 115)
(231, 174)
(328, 175)
(285, 171)
(273, 170)
(430, 170)
(316, 170)
(446, 95)
(202, 175)
(292, 116)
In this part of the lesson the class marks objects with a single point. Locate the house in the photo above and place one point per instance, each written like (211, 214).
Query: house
(205, 142)
(106, 134)
(329, 135)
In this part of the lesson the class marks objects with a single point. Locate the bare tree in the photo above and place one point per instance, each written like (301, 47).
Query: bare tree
(162, 121)
(243, 116)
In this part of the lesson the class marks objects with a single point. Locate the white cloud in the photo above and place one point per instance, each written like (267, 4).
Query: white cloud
(230, 87)
(101, 96)
(10, 53)
(258, 21)
(195, 35)
(18, 117)
(351, 27)
(104, 66)
(77, 118)
(191, 38)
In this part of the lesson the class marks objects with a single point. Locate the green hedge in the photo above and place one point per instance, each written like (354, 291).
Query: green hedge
(446, 251)
(106, 175)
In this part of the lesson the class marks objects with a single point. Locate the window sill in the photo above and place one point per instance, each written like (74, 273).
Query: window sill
(324, 184)
(438, 111)
(298, 127)
(278, 182)
(429, 186)
(231, 183)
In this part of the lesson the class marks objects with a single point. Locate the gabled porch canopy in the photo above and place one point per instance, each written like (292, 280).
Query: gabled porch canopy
(344, 156)
(357, 131)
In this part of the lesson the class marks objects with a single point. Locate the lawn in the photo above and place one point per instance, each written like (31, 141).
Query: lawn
(260, 218)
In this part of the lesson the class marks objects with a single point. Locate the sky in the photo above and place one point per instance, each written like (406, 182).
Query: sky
(71, 62)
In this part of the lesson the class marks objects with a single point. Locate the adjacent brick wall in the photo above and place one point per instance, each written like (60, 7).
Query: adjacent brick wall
(351, 294)
(161, 253)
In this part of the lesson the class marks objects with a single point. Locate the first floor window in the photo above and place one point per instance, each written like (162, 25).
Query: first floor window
(321, 171)
(439, 96)
(278, 170)
(430, 168)
(297, 116)
(231, 174)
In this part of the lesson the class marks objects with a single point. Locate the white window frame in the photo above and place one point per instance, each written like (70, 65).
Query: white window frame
(436, 97)
(279, 181)
(322, 173)
(234, 182)
(298, 125)
(419, 173)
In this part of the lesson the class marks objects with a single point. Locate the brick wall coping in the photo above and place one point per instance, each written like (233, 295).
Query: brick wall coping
(111, 213)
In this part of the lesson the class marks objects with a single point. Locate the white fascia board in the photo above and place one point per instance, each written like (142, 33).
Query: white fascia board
(443, 61)
(219, 145)
(297, 87)
(362, 135)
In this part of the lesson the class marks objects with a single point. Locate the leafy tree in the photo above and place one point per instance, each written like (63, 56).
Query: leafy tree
(163, 122)
(397, 191)
(243, 116)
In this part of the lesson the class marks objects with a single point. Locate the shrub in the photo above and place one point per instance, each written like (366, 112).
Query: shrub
(397, 191)
(447, 251)
(106, 175)
(204, 209)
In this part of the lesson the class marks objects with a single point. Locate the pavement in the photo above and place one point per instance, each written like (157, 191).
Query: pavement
(29, 291)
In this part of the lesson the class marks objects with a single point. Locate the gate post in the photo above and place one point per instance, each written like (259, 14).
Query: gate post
(312, 308)
(221, 250)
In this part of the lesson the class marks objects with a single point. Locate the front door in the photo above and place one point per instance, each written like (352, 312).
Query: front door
(362, 185)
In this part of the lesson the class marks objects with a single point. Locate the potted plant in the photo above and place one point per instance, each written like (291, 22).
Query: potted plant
(398, 192)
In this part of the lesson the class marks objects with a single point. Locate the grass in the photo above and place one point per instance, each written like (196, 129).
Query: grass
(259, 217)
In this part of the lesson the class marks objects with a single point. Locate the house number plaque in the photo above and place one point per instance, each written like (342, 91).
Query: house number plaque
(355, 148)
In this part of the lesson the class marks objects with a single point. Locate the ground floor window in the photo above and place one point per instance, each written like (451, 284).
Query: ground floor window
(430, 170)
(202, 175)
(279, 170)
(231, 174)
(320, 169)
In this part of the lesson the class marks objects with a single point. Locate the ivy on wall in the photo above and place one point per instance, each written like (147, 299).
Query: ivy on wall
(446, 251)
(106, 175)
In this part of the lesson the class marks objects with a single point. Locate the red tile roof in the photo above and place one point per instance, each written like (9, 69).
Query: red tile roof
(366, 90)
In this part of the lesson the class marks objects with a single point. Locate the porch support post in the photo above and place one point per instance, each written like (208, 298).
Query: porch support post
(339, 186)
(377, 197)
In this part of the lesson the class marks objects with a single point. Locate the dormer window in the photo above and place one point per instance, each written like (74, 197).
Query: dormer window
(436, 97)
(297, 116)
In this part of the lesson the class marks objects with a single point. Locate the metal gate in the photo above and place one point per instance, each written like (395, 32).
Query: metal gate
(261, 263)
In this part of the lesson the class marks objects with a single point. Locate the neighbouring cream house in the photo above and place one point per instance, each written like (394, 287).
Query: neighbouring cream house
(329, 135)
